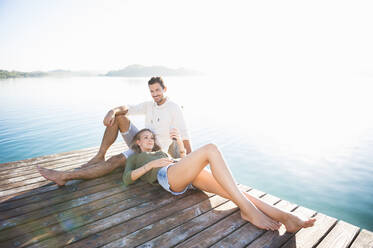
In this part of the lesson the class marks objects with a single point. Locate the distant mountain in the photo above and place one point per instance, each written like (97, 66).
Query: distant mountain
(129, 71)
(18, 74)
(149, 71)
(54, 73)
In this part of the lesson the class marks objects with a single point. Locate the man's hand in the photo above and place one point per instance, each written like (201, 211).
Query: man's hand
(109, 118)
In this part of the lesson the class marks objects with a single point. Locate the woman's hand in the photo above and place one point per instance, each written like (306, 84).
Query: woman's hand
(109, 118)
(162, 162)
(174, 134)
(139, 172)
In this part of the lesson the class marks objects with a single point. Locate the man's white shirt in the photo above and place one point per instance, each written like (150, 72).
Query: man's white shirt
(161, 119)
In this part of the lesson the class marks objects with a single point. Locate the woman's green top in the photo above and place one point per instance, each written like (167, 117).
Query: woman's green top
(139, 159)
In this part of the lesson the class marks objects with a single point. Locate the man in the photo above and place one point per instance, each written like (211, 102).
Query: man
(162, 116)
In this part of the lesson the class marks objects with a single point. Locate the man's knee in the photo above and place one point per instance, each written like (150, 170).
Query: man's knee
(117, 161)
(123, 123)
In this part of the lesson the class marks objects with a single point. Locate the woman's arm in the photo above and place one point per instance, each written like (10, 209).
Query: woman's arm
(139, 172)
(182, 150)
(187, 146)
(130, 166)
(174, 134)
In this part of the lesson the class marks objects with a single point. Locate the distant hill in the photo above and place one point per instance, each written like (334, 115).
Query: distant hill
(148, 71)
(129, 71)
(54, 73)
(18, 74)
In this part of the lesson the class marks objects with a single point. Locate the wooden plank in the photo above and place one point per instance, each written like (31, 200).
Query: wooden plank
(21, 181)
(223, 228)
(48, 188)
(53, 157)
(31, 170)
(240, 237)
(340, 236)
(67, 215)
(33, 183)
(59, 197)
(171, 221)
(181, 233)
(60, 192)
(248, 232)
(19, 171)
(107, 229)
(363, 240)
(11, 222)
(277, 238)
(42, 159)
(157, 228)
(40, 181)
(63, 222)
(13, 179)
(310, 237)
(193, 226)
(33, 180)
(38, 187)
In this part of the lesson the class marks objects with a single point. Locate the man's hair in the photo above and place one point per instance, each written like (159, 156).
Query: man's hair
(155, 80)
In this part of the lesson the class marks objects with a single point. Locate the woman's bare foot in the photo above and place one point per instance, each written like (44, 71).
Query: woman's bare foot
(294, 223)
(96, 159)
(52, 175)
(261, 221)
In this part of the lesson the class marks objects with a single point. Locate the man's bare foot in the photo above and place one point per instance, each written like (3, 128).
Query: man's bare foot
(52, 175)
(96, 159)
(294, 223)
(261, 221)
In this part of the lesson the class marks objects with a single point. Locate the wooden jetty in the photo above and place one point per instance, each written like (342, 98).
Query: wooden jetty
(104, 213)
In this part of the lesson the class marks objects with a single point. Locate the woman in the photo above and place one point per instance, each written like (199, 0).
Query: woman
(154, 166)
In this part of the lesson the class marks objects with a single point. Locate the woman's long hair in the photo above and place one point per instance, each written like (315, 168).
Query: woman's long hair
(134, 146)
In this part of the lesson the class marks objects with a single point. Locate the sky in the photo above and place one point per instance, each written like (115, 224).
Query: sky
(262, 37)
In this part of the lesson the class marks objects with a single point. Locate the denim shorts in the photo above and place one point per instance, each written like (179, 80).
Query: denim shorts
(128, 136)
(163, 181)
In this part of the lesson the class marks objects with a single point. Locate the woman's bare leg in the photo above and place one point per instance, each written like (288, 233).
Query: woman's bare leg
(186, 170)
(205, 181)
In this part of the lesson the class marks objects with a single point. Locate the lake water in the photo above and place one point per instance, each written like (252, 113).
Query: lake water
(308, 143)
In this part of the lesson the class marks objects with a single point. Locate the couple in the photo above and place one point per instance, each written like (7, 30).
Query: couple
(146, 160)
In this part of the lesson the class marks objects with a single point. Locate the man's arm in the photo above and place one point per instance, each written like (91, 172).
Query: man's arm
(121, 110)
(137, 109)
(110, 116)
(187, 146)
